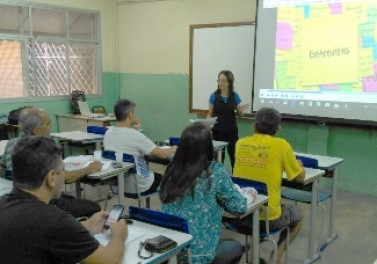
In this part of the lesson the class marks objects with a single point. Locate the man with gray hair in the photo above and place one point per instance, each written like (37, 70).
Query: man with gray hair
(264, 157)
(125, 137)
(36, 121)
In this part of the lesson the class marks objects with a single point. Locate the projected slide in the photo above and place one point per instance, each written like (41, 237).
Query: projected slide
(312, 42)
(324, 55)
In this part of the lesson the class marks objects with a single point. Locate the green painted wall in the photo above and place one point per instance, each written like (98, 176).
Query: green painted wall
(162, 101)
(110, 95)
(163, 105)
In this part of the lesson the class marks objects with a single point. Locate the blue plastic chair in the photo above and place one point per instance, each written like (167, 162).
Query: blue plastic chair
(142, 197)
(306, 196)
(101, 130)
(268, 234)
(161, 219)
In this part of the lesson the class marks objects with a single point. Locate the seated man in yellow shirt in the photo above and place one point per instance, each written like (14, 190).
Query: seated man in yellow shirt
(263, 157)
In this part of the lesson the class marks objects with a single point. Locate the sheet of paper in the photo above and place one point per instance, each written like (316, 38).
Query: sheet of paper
(105, 164)
(77, 162)
(133, 233)
(82, 161)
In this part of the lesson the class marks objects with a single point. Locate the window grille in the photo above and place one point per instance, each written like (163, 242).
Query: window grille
(48, 52)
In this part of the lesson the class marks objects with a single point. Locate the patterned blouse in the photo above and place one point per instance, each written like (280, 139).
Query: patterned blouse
(203, 211)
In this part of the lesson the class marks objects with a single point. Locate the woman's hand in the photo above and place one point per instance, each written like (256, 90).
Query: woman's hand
(243, 108)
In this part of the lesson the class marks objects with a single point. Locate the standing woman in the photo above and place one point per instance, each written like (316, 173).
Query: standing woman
(224, 104)
(196, 188)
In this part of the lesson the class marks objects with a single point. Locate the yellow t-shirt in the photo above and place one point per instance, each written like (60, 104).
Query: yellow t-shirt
(264, 158)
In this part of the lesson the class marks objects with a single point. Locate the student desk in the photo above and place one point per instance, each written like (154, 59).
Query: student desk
(70, 122)
(159, 165)
(311, 178)
(82, 137)
(101, 176)
(6, 186)
(253, 209)
(3, 144)
(150, 231)
(218, 146)
(330, 165)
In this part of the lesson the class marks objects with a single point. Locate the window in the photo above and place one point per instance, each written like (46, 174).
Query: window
(48, 52)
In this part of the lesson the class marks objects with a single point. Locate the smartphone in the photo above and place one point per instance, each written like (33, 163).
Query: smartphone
(114, 215)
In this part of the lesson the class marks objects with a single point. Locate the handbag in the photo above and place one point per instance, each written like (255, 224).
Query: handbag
(159, 244)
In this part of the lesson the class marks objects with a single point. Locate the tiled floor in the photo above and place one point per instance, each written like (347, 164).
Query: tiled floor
(355, 224)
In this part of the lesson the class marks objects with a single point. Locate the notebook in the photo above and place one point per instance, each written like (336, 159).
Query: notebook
(84, 110)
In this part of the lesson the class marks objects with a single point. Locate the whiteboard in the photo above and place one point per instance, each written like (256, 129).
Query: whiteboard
(218, 47)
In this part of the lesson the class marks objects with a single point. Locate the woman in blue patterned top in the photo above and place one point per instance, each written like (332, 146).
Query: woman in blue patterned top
(197, 189)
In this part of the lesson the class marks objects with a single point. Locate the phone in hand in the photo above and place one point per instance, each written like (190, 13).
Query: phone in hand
(114, 215)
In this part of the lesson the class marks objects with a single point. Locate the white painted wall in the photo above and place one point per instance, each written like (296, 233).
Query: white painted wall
(153, 37)
(107, 10)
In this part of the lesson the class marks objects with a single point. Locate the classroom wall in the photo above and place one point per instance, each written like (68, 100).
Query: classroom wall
(153, 52)
(109, 76)
(145, 54)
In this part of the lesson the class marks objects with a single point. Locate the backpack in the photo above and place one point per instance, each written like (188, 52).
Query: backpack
(76, 95)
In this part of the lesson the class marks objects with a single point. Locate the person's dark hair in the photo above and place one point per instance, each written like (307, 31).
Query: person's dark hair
(229, 76)
(267, 121)
(122, 108)
(29, 120)
(33, 157)
(194, 155)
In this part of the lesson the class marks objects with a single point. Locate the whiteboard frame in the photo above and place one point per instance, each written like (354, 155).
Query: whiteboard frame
(234, 55)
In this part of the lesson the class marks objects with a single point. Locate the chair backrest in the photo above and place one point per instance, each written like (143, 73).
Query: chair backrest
(109, 154)
(261, 187)
(159, 218)
(96, 129)
(308, 162)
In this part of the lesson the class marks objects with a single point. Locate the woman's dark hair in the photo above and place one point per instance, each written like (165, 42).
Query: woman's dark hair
(33, 157)
(267, 121)
(194, 155)
(230, 78)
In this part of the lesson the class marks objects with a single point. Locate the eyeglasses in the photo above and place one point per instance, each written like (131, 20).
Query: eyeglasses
(222, 81)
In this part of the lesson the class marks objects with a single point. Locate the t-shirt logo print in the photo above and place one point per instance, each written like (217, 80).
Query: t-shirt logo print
(142, 167)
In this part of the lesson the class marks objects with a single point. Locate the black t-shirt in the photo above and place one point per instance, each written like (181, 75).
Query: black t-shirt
(34, 232)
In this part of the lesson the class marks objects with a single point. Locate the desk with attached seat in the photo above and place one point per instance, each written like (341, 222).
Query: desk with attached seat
(330, 165)
(6, 186)
(150, 231)
(84, 138)
(70, 122)
(311, 178)
(252, 209)
(100, 177)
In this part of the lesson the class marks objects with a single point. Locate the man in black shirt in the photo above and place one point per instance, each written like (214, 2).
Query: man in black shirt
(31, 231)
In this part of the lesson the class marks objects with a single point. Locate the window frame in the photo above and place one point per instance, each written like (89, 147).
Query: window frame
(24, 39)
